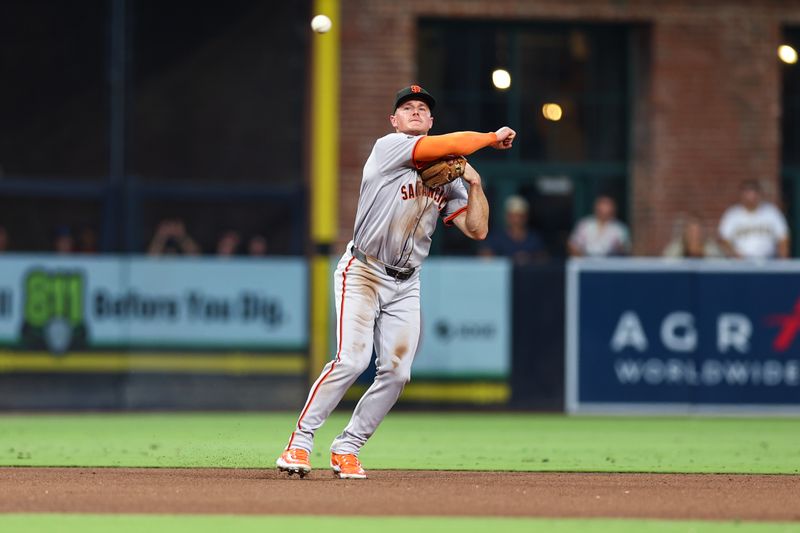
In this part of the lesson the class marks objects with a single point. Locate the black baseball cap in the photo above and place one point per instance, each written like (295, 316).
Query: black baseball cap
(414, 92)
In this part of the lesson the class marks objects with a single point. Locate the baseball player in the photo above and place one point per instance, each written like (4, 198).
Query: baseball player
(376, 283)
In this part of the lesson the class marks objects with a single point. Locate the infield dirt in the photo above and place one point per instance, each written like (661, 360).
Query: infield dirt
(404, 493)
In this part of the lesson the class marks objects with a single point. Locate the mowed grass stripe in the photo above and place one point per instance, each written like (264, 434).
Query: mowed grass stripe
(425, 441)
(80, 523)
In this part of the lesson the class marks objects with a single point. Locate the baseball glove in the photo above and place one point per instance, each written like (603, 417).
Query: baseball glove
(443, 171)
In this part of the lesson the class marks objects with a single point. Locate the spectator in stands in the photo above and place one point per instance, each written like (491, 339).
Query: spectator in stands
(228, 243)
(754, 228)
(3, 239)
(63, 241)
(87, 240)
(257, 246)
(515, 240)
(600, 234)
(691, 240)
(171, 238)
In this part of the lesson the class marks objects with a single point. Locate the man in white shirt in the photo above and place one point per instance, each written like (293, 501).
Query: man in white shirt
(600, 235)
(754, 228)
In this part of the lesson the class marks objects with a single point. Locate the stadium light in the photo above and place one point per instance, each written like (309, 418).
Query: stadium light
(552, 111)
(501, 79)
(787, 54)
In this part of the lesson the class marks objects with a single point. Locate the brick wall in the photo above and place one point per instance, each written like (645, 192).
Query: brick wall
(706, 113)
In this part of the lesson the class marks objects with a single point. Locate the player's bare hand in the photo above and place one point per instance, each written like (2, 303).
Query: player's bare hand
(471, 175)
(505, 138)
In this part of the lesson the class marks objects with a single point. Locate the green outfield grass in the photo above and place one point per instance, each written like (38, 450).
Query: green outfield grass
(449, 441)
(63, 523)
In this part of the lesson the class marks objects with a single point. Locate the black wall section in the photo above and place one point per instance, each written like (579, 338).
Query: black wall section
(139, 391)
(537, 375)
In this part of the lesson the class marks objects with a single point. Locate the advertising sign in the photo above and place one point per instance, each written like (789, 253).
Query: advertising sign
(76, 303)
(683, 335)
(466, 317)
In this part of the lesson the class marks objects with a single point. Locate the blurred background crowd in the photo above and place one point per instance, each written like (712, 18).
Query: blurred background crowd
(137, 126)
(753, 228)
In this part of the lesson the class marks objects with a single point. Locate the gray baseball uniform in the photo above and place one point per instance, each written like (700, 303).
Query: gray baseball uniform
(377, 291)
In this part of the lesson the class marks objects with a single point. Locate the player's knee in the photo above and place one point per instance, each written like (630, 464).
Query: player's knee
(397, 375)
(353, 365)
(401, 375)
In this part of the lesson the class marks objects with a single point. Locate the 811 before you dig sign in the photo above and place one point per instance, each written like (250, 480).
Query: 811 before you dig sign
(180, 302)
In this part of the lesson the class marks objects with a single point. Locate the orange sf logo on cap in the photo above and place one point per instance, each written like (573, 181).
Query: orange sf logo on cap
(416, 89)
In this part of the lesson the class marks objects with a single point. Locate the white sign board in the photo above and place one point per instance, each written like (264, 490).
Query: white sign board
(466, 319)
(194, 303)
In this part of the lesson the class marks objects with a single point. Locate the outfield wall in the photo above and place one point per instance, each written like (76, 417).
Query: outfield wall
(120, 332)
(109, 332)
(117, 332)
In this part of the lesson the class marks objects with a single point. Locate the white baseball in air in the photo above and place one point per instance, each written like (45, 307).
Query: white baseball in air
(321, 23)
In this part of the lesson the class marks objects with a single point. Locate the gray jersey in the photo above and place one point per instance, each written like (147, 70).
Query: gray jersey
(396, 214)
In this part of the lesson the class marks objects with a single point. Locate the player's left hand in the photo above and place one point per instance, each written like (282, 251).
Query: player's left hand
(443, 171)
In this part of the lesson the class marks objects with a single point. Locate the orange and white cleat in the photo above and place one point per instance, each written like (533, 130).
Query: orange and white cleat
(347, 466)
(294, 461)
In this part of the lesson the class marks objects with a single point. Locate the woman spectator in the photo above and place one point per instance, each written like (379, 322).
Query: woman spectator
(692, 242)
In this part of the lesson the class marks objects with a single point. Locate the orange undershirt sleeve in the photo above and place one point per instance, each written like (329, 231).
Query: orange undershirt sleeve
(433, 147)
